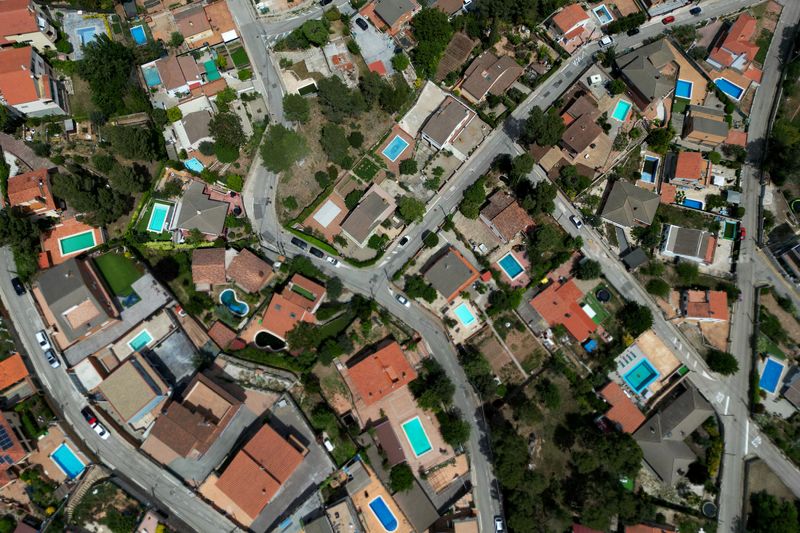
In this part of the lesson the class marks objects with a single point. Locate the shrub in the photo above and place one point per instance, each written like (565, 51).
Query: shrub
(206, 148)
(722, 362)
(356, 139)
(401, 478)
(235, 182)
(408, 166)
(714, 157)
(400, 62)
(174, 114)
(431, 239)
(658, 287)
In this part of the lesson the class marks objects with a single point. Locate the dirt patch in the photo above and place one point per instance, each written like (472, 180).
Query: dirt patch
(760, 477)
(787, 320)
(334, 388)
(526, 348)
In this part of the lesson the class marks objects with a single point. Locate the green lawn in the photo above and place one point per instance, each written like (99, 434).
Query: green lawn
(119, 272)
(308, 295)
(763, 45)
(730, 230)
(239, 57)
(601, 313)
(366, 169)
(767, 345)
(679, 105)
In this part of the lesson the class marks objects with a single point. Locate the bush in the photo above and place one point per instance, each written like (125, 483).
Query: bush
(225, 153)
(416, 287)
(235, 182)
(588, 269)
(431, 240)
(206, 148)
(282, 147)
(658, 287)
(714, 157)
(410, 209)
(296, 108)
(408, 167)
(617, 87)
(322, 179)
(174, 114)
(401, 478)
(400, 62)
(722, 362)
(353, 47)
(356, 139)
(352, 199)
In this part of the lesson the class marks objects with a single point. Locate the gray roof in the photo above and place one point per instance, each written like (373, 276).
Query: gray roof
(320, 525)
(792, 389)
(417, 507)
(391, 10)
(197, 125)
(628, 204)
(705, 109)
(581, 133)
(389, 443)
(642, 69)
(662, 436)
(733, 197)
(635, 258)
(360, 223)
(175, 357)
(707, 125)
(449, 273)
(443, 123)
(687, 242)
(65, 287)
(358, 478)
(197, 211)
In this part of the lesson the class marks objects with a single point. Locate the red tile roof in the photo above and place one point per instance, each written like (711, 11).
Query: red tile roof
(15, 451)
(208, 266)
(740, 37)
(274, 453)
(707, 304)
(381, 373)
(377, 66)
(623, 411)
(225, 337)
(569, 16)
(31, 189)
(558, 304)
(12, 370)
(736, 137)
(249, 271)
(752, 73)
(16, 18)
(689, 166)
(282, 316)
(16, 84)
(643, 528)
(302, 282)
(50, 239)
(577, 528)
(668, 193)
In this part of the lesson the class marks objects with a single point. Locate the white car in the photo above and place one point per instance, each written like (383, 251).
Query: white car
(333, 261)
(402, 299)
(100, 430)
(575, 220)
(606, 41)
(41, 338)
(499, 527)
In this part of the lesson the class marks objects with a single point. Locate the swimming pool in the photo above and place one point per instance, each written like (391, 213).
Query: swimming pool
(464, 314)
(771, 375)
(138, 34)
(140, 341)
(235, 305)
(729, 88)
(67, 461)
(694, 204)
(603, 14)
(395, 148)
(417, 437)
(683, 89)
(621, 110)
(511, 266)
(85, 35)
(194, 165)
(212, 71)
(649, 168)
(640, 376)
(77, 243)
(158, 217)
(151, 76)
(384, 515)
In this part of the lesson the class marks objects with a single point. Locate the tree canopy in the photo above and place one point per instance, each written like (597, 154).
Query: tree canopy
(282, 148)
(106, 66)
(338, 100)
(21, 234)
(410, 209)
(588, 269)
(635, 318)
(433, 31)
(542, 128)
(131, 142)
(401, 478)
(89, 194)
(296, 108)
(226, 128)
(432, 388)
(474, 198)
(769, 514)
(722, 362)
(416, 287)
(333, 140)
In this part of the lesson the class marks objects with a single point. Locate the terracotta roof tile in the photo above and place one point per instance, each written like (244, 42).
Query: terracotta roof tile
(283, 315)
(381, 373)
(512, 220)
(15, 451)
(16, 18)
(558, 304)
(51, 238)
(689, 166)
(208, 266)
(31, 189)
(377, 66)
(274, 453)
(16, 84)
(569, 16)
(668, 193)
(225, 337)
(249, 271)
(305, 284)
(736, 137)
(247, 485)
(12, 370)
(707, 305)
(740, 37)
(623, 411)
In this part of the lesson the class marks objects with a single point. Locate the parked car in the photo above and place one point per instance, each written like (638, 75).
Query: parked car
(742, 233)
(575, 220)
(498, 524)
(44, 342)
(403, 241)
(333, 261)
(100, 429)
(325, 2)
(299, 243)
(52, 360)
(668, 20)
(361, 23)
(696, 11)
(316, 252)
(633, 31)
(19, 288)
(402, 299)
(88, 415)
(606, 40)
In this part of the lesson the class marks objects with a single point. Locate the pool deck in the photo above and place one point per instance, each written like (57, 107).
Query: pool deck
(48, 444)
(394, 166)
(159, 326)
(51, 251)
(371, 491)
(74, 21)
(460, 332)
(523, 280)
(659, 356)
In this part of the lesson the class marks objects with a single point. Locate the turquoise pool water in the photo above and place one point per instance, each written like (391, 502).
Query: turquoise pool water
(511, 266)
(140, 341)
(640, 376)
(603, 14)
(384, 515)
(212, 71)
(694, 204)
(158, 217)
(621, 110)
(138, 34)
(235, 305)
(77, 243)
(395, 148)
(416, 436)
(67, 461)
(151, 76)
(85, 35)
(194, 165)
(464, 314)
(731, 89)
(771, 375)
(649, 168)
(683, 89)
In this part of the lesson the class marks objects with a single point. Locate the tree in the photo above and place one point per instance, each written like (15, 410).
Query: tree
(698, 52)
(416, 287)
(714, 157)
(352, 199)
(410, 209)
(648, 236)
(722, 362)
(432, 388)
(129, 179)
(572, 181)
(474, 198)
(371, 85)
(658, 287)
(431, 239)
(333, 288)
(89, 194)
(433, 31)
(688, 272)
(539, 199)
(334, 142)
(400, 62)
(282, 148)
(617, 87)
(401, 478)
(21, 234)
(315, 31)
(635, 318)
(769, 514)
(226, 128)
(588, 269)
(454, 430)
(106, 66)
(548, 394)
(356, 139)
(544, 129)
(685, 34)
(175, 39)
(296, 108)
(337, 100)
(408, 167)
(394, 94)
(659, 139)
(521, 166)
(134, 143)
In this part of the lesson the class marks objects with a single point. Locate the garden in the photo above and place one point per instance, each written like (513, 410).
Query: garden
(107, 505)
(119, 272)
(35, 415)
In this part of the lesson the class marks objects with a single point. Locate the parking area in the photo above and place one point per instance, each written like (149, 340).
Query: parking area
(375, 46)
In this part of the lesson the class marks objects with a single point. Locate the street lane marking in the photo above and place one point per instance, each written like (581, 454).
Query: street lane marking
(727, 402)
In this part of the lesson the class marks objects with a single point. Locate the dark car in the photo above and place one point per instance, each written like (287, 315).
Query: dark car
(19, 288)
(325, 2)
(88, 415)
(403, 241)
(316, 252)
(361, 23)
(633, 31)
(299, 243)
(696, 11)
(52, 360)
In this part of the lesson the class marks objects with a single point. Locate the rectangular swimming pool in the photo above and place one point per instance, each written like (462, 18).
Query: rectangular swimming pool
(212, 71)
(729, 88)
(67, 461)
(85, 35)
(396, 147)
(694, 204)
(138, 34)
(151, 76)
(603, 14)
(158, 217)
(384, 515)
(77, 243)
(464, 315)
(194, 165)
(640, 376)
(683, 89)
(771, 375)
(416, 436)
(621, 110)
(649, 168)
(140, 341)
(511, 266)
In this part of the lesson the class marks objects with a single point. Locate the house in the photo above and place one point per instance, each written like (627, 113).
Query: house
(581, 134)
(634, 258)
(178, 74)
(223, 27)
(374, 207)
(197, 211)
(12, 452)
(389, 443)
(628, 205)
(134, 392)
(705, 126)
(690, 244)
(193, 24)
(446, 123)
(451, 273)
(73, 301)
(659, 7)
(569, 23)
(705, 305)
(643, 71)
(456, 54)
(193, 129)
(647, 528)
(68, 237)
(451, 8)
(489, 74)
(623, 413)
(225, 337)
(391, 15)
(257, 472)
(28, 85)
(297, 302)
(791, 390)
(662, 436)
(31, 193)
(690, 170)
(505, 217)
(249, 272)
(738, 49)
(559, 303)
(187, 428)
(23, 22)
(208, 268)
(378, 374)
(12, 371)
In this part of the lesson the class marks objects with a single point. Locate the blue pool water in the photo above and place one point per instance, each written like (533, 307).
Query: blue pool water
(67, 461)
(683, 89)
(640, 376)
(395, 148)
(140, 341)
(603, 14)
(416, 436)
(464, 314)
(621, 110)
(731, 89)
(510, 266)
(235, 305)
(158, 217)
(194, 165)
(694, 204)
(384, 515)
(138, 34)
(86, 35)
(649, 169)
(151, 76)
(771, 375)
